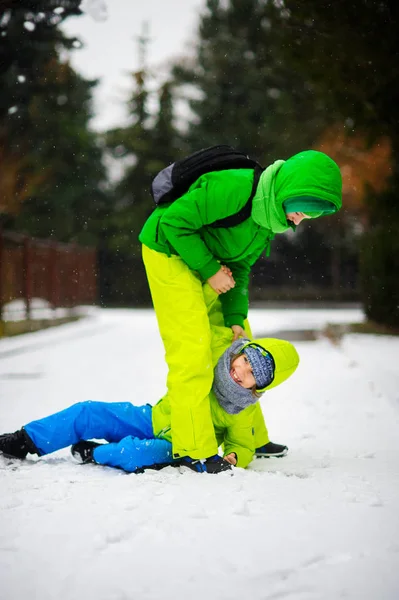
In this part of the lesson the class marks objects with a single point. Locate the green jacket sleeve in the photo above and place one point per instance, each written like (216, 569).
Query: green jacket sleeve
(235, 302)
(213, 198)
(239, 437)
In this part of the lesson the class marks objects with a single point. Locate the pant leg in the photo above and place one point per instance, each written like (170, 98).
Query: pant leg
(184, 327)
(132, 453)
(221, 336)
(111, 421)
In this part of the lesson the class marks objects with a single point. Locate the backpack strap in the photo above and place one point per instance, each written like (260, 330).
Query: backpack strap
(245, 212)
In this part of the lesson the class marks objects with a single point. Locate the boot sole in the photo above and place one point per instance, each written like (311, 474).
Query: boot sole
(2, 453)
(278, 455)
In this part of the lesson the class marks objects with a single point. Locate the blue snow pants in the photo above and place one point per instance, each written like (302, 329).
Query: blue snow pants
(126, 427)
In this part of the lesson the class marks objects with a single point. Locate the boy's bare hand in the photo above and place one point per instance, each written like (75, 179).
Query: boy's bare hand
(221, 282)
(227, 270)
(238, 332)
(231, 458)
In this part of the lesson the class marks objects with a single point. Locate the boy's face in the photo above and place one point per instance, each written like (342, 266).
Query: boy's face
(296, 217)
(241, 372)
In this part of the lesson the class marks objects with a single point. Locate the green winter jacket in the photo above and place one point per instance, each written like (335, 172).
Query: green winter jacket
(182, 228)
(235, 432)
(309, 181)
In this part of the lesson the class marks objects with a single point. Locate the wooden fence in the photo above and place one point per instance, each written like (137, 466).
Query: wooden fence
(63, 274)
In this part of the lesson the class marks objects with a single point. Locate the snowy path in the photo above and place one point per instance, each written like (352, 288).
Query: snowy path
(321, 523)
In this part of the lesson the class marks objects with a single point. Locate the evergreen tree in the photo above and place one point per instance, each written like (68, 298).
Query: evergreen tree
(53, 170)
(71, 200)
(29, 40)
(248, 95)
(151, 142)
(132, 193)
(351, 52)
(165, 137)
(30, 37)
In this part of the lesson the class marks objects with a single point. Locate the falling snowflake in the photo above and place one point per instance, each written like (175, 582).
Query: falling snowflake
(97, 9)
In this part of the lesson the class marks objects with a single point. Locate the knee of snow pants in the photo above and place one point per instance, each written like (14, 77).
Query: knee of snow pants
(181, 310)
(133, 453)
(111, 421)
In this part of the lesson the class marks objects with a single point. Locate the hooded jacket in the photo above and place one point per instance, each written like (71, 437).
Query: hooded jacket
(183, 227)
(235, 431)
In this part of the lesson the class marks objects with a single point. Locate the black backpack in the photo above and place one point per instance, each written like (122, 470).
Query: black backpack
(173, 181)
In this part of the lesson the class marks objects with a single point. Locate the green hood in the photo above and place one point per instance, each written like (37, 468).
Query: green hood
(285, 357)
(308, 182)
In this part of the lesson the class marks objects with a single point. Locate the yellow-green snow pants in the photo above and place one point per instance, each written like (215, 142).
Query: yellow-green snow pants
(184, 326)
(185, 307)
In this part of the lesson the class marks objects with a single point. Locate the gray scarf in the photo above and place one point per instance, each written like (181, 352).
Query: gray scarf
(232, 397)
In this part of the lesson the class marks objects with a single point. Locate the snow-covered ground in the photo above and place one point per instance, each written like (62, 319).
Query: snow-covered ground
(321, 523)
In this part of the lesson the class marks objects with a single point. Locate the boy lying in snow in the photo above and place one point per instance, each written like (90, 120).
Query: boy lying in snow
(243, 372)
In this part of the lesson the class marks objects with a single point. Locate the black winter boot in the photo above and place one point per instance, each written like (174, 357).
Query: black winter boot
(83, 451)
(271, 449)
(17, 444)
(213, 464)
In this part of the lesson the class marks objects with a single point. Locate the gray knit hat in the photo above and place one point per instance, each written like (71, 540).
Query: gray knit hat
(262, 365)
